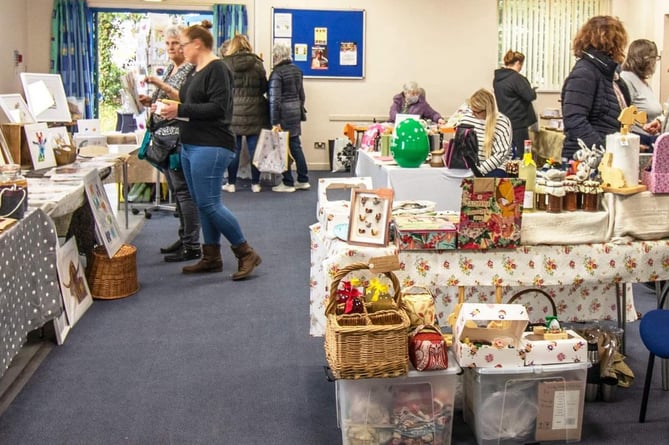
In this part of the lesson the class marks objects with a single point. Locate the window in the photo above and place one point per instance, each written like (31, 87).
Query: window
(543, 30)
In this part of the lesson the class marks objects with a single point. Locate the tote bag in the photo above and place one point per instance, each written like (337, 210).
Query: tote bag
(271, 155)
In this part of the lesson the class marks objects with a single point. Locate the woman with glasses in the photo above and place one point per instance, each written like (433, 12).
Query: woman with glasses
(638, 68)
(412, 101)
(514, 96)
(205, 111)
(493, 133)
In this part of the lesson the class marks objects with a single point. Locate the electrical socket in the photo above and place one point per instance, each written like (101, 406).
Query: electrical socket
(319, 145)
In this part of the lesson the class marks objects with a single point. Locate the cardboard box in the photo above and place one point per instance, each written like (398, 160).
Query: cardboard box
(418, 406)
(480, 328)
(424, 232)
(573, 349)
(517, 406)
(560, 415)
(491, 213)
(332, 213)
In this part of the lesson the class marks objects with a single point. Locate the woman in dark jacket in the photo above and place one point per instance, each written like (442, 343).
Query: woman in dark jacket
(286, 105)
(593, 95)
(514, 96)
(250, 112)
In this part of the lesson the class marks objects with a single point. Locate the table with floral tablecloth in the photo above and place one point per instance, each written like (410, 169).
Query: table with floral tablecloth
(584, 280)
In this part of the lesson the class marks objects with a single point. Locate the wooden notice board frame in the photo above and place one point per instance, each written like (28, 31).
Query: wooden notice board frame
(324, 43)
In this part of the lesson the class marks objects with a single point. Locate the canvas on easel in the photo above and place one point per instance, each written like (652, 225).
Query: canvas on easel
(74, 289)
(105, 221)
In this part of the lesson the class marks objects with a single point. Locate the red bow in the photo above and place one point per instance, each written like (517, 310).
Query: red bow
(349, 294)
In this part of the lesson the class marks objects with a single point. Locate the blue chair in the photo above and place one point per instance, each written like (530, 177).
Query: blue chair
(654, 331)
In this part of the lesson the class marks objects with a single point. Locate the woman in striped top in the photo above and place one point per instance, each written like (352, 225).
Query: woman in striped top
(493, 132)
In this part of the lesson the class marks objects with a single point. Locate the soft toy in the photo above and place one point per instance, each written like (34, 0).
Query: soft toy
(588, 161)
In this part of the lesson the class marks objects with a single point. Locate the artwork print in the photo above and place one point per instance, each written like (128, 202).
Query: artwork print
(59, 111)
(41, 151)
(73, 288)
(370, 216)
(105, 220)
(15, 110)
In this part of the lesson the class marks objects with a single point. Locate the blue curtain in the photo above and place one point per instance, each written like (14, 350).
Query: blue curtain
(228, 21)
(72, 53)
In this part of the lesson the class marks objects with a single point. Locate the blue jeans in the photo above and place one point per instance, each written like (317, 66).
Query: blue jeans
(203, 168)
(251, 142)
(300, 163)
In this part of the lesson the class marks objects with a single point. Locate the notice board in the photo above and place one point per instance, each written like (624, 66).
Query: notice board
(324, 43)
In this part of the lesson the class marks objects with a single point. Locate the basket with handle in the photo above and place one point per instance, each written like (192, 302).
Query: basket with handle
(367, 345)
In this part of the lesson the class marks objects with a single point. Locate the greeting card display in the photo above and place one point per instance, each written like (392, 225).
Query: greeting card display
(370, 215)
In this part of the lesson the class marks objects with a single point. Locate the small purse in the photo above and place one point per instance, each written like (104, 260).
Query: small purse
(427, 349)
(420, 306)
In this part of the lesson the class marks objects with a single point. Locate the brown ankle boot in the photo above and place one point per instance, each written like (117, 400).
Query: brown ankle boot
(247, 260)
(211, 260)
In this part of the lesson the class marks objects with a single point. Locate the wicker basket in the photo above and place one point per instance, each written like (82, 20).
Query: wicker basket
(113, 278)
(368, 345)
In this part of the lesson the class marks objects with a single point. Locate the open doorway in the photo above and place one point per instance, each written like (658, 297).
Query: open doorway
(130, 42)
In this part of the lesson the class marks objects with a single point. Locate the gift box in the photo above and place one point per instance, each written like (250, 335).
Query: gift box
(332, 213)
(424, 232)
(491, 213)
(657, 178)
(489, 335)
(539, 350)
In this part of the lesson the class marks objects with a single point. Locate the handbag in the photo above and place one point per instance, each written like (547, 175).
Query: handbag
(11, 202)
(157, 148)
(427, 349)
(271, 155)
(303, 114)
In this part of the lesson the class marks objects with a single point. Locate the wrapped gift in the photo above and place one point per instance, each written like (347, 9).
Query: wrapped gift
(491, 213)
(489, 335)
(420, 306)
(424, 232)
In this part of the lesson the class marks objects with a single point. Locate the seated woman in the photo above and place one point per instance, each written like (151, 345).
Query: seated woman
(493, 132)
(412, 101)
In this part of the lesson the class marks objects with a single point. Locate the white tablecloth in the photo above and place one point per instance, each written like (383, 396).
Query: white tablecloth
(425, 183)
(580, 278)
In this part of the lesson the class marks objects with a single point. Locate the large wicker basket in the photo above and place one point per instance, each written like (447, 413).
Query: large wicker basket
(113, 278)
(368, 345)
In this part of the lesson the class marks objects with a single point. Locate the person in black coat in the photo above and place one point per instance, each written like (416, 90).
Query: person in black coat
(514, 96)
(286, 111)
(593, 95)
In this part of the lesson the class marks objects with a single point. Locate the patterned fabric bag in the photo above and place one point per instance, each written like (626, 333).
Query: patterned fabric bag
(427, 349)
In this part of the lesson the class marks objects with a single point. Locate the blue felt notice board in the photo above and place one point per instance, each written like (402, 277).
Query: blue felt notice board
(324, 43)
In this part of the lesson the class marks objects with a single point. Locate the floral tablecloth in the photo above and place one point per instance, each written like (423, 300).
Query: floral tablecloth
(581, 278)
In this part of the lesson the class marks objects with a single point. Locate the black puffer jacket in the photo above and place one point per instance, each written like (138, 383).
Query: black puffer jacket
(590, 106)
(286, 97)
(514, 96)
(250, 109)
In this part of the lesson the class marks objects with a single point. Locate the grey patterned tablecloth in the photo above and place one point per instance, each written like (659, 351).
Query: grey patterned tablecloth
(29, 289)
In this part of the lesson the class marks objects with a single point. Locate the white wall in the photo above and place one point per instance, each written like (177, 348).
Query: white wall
(448, 47)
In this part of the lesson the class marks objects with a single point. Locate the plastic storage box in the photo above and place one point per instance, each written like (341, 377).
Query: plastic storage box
(417, 407)
(539, 403)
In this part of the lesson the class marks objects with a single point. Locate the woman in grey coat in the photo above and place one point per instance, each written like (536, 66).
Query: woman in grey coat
(286, 111)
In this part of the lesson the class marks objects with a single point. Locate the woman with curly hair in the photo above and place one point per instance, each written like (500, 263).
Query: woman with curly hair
(593, 94)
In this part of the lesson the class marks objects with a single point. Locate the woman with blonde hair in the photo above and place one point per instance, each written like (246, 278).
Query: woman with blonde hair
(493, 133)
(250, 111)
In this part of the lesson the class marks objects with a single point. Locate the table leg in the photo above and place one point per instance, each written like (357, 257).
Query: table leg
(125, 192)
(621, 312)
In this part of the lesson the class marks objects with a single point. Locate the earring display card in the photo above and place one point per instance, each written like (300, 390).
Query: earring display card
(370, 216)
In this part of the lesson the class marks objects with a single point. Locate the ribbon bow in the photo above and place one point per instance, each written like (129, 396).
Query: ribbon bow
(349, 293)
(376, 288)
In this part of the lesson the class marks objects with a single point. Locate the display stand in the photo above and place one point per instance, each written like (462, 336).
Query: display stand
(157, 205)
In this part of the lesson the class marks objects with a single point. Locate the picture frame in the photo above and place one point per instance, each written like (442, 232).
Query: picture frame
(41, 150)
(370, 216)
(76, 295)
(5, 152)
(15, 110)
(106, 224)
(35, 85)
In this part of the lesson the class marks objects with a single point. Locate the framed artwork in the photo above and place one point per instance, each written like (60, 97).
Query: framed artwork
(46, 97)
(15, 110)
(370, 216)
(41, 151)
(73, 288)
(5, 152)
(58, 136)
(103, 214)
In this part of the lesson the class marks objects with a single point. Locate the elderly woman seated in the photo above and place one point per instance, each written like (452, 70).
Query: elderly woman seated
(412, 101)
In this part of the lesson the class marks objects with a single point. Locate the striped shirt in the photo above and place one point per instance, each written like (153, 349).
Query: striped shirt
(501, 145)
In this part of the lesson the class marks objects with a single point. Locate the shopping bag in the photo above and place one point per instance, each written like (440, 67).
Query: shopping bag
(271, 155)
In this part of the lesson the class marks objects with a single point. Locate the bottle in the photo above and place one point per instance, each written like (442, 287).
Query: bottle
(527, 170)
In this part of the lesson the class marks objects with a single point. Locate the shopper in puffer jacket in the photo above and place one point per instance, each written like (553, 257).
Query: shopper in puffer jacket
(250, 110)
(593, 94)
(286, 110)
